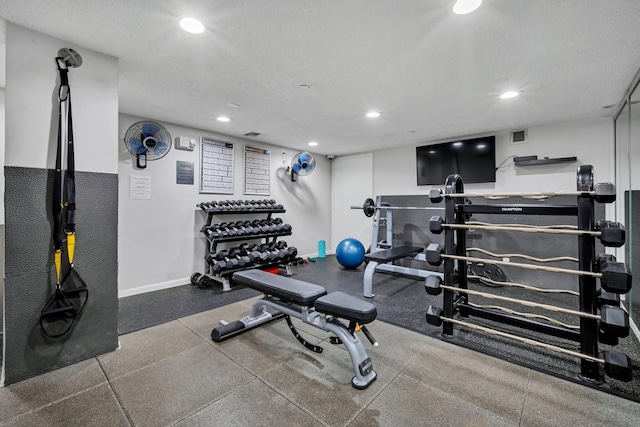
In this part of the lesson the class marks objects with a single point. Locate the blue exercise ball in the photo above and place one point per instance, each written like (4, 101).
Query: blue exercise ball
(350, 253)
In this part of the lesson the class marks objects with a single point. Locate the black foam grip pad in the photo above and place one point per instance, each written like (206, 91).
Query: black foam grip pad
(223, 332)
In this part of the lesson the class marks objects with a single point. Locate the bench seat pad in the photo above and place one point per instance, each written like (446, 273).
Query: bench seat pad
(285, 288)
(346, 306)
(393, 254)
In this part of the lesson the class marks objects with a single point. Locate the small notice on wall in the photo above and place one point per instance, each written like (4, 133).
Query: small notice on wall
(257, 169)
(184, 172)
(139, 187)
(216, 167)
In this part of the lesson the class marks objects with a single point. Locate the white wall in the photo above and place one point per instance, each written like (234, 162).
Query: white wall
(591, 141)
(34, 122)
(2, 149)
(160, 244)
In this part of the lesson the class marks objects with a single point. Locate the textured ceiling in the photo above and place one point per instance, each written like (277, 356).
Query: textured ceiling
(432, 74)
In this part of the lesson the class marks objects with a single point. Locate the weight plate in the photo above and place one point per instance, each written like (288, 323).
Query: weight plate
(204, 282)
(490, 271)
(369, 207)
(194, 278)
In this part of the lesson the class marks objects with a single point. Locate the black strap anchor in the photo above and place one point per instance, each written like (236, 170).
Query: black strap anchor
(71, 293)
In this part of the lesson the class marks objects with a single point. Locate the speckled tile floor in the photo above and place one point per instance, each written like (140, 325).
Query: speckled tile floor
(173, 374)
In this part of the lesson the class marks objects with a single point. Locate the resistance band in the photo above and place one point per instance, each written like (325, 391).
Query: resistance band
(71, 293)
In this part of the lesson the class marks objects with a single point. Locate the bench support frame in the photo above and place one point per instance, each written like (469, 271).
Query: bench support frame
(270, 308)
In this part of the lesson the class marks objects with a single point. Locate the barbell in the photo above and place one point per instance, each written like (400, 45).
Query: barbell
(369, 207)
(616, 365)
(614, 276)
(604, 192)
(611, 234)
(613, 320)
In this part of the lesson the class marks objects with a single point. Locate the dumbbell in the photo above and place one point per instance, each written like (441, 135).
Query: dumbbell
(219, 233)
(280, 244)
(266, 227)
(612, 234)
(271, 255)
(218, 256)
(240, 229)
(286, 228)
(200, 280)
(218, 267)
(261, 226)
(238, 255)
(194, 278)
(207, 231)
(247, 227)
(204, 282)
(604, 297)
(254, 257)
(271, 228)
(213, 257)
(290, 253)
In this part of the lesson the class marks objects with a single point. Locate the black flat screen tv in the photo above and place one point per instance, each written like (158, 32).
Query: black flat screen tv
(473, 159)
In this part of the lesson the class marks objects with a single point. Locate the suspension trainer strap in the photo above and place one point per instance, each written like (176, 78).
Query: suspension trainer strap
(57, 179)
(59, 307)
(70, 182)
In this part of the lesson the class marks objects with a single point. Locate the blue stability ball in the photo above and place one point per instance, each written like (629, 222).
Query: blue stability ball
(350, 253)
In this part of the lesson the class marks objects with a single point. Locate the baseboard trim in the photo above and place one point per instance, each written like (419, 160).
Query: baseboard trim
(153, 287)
(173, 283)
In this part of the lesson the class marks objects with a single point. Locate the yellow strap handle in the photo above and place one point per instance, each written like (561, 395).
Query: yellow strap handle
(71, 246)
(57, 260)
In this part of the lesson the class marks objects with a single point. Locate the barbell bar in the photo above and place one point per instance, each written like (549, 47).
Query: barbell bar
(613, 320)
(611, 234)
(616, 365)
(369, 207)
(614, 276)
(604, 192)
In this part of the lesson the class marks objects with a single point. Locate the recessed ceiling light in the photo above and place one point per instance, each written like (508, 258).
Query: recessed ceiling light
(465, 6)
(233, 104)
(304, 87)
(192, 25)
(223, 119)
(373, 114)
(457, 144)
(313, 143)
(510, 94)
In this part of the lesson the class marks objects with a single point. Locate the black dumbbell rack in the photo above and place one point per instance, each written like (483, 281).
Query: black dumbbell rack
(225, 209)
(455, 270)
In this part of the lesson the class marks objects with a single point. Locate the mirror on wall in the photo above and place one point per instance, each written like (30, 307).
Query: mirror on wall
(627, 154)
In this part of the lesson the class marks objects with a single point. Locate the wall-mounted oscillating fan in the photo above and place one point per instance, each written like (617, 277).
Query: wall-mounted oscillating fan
(147, 141)
(302, 164)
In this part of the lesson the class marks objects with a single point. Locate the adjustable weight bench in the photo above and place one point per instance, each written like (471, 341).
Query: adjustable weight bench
(287, 297)
(382, 261)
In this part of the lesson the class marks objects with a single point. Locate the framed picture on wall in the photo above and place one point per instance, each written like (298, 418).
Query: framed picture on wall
(216, 166)
(257, 171)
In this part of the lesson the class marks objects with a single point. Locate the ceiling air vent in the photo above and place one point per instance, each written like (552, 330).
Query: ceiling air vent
(519, 136)
(253, 134)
